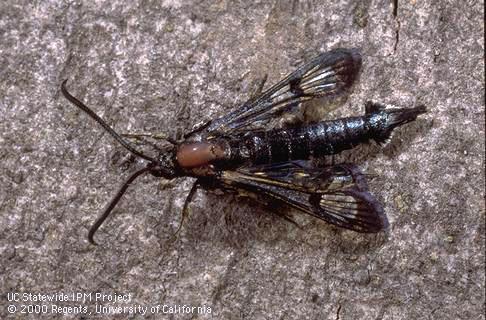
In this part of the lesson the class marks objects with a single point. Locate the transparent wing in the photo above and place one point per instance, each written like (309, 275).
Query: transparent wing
(329, 74)
(336, 194)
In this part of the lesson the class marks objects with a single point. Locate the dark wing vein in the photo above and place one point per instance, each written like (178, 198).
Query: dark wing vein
(329, 74)
(336, 194)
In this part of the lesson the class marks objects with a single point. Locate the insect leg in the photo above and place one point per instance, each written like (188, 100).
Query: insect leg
(197, 129)
(141, 136)
(185, 208)
(259, 88)
(143, 139)
(256, 94)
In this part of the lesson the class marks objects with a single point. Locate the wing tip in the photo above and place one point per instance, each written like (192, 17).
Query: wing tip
(349, 73)
(375, 217)
(363, 214)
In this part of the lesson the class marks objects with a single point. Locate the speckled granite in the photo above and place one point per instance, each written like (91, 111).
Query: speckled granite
(162, 66)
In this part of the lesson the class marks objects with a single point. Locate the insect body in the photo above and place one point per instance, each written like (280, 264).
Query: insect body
(237, 152)
(282, 145)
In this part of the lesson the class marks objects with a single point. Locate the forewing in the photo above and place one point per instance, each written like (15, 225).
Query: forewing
(336, 194)
(329, 74)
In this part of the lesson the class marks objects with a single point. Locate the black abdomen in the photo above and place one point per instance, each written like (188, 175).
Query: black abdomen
(320, 139)
(316, 140)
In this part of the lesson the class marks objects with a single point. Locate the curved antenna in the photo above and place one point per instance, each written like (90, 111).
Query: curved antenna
(105, 126)
(113, 203)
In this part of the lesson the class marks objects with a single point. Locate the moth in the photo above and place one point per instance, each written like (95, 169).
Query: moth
(246, 150)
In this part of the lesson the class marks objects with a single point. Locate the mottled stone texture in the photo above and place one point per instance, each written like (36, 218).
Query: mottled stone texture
(162, 66)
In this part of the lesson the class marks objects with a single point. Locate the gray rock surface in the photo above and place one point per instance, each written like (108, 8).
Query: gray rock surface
(162, 66)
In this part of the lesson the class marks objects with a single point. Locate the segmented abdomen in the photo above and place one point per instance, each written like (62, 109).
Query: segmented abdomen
(320, 139)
